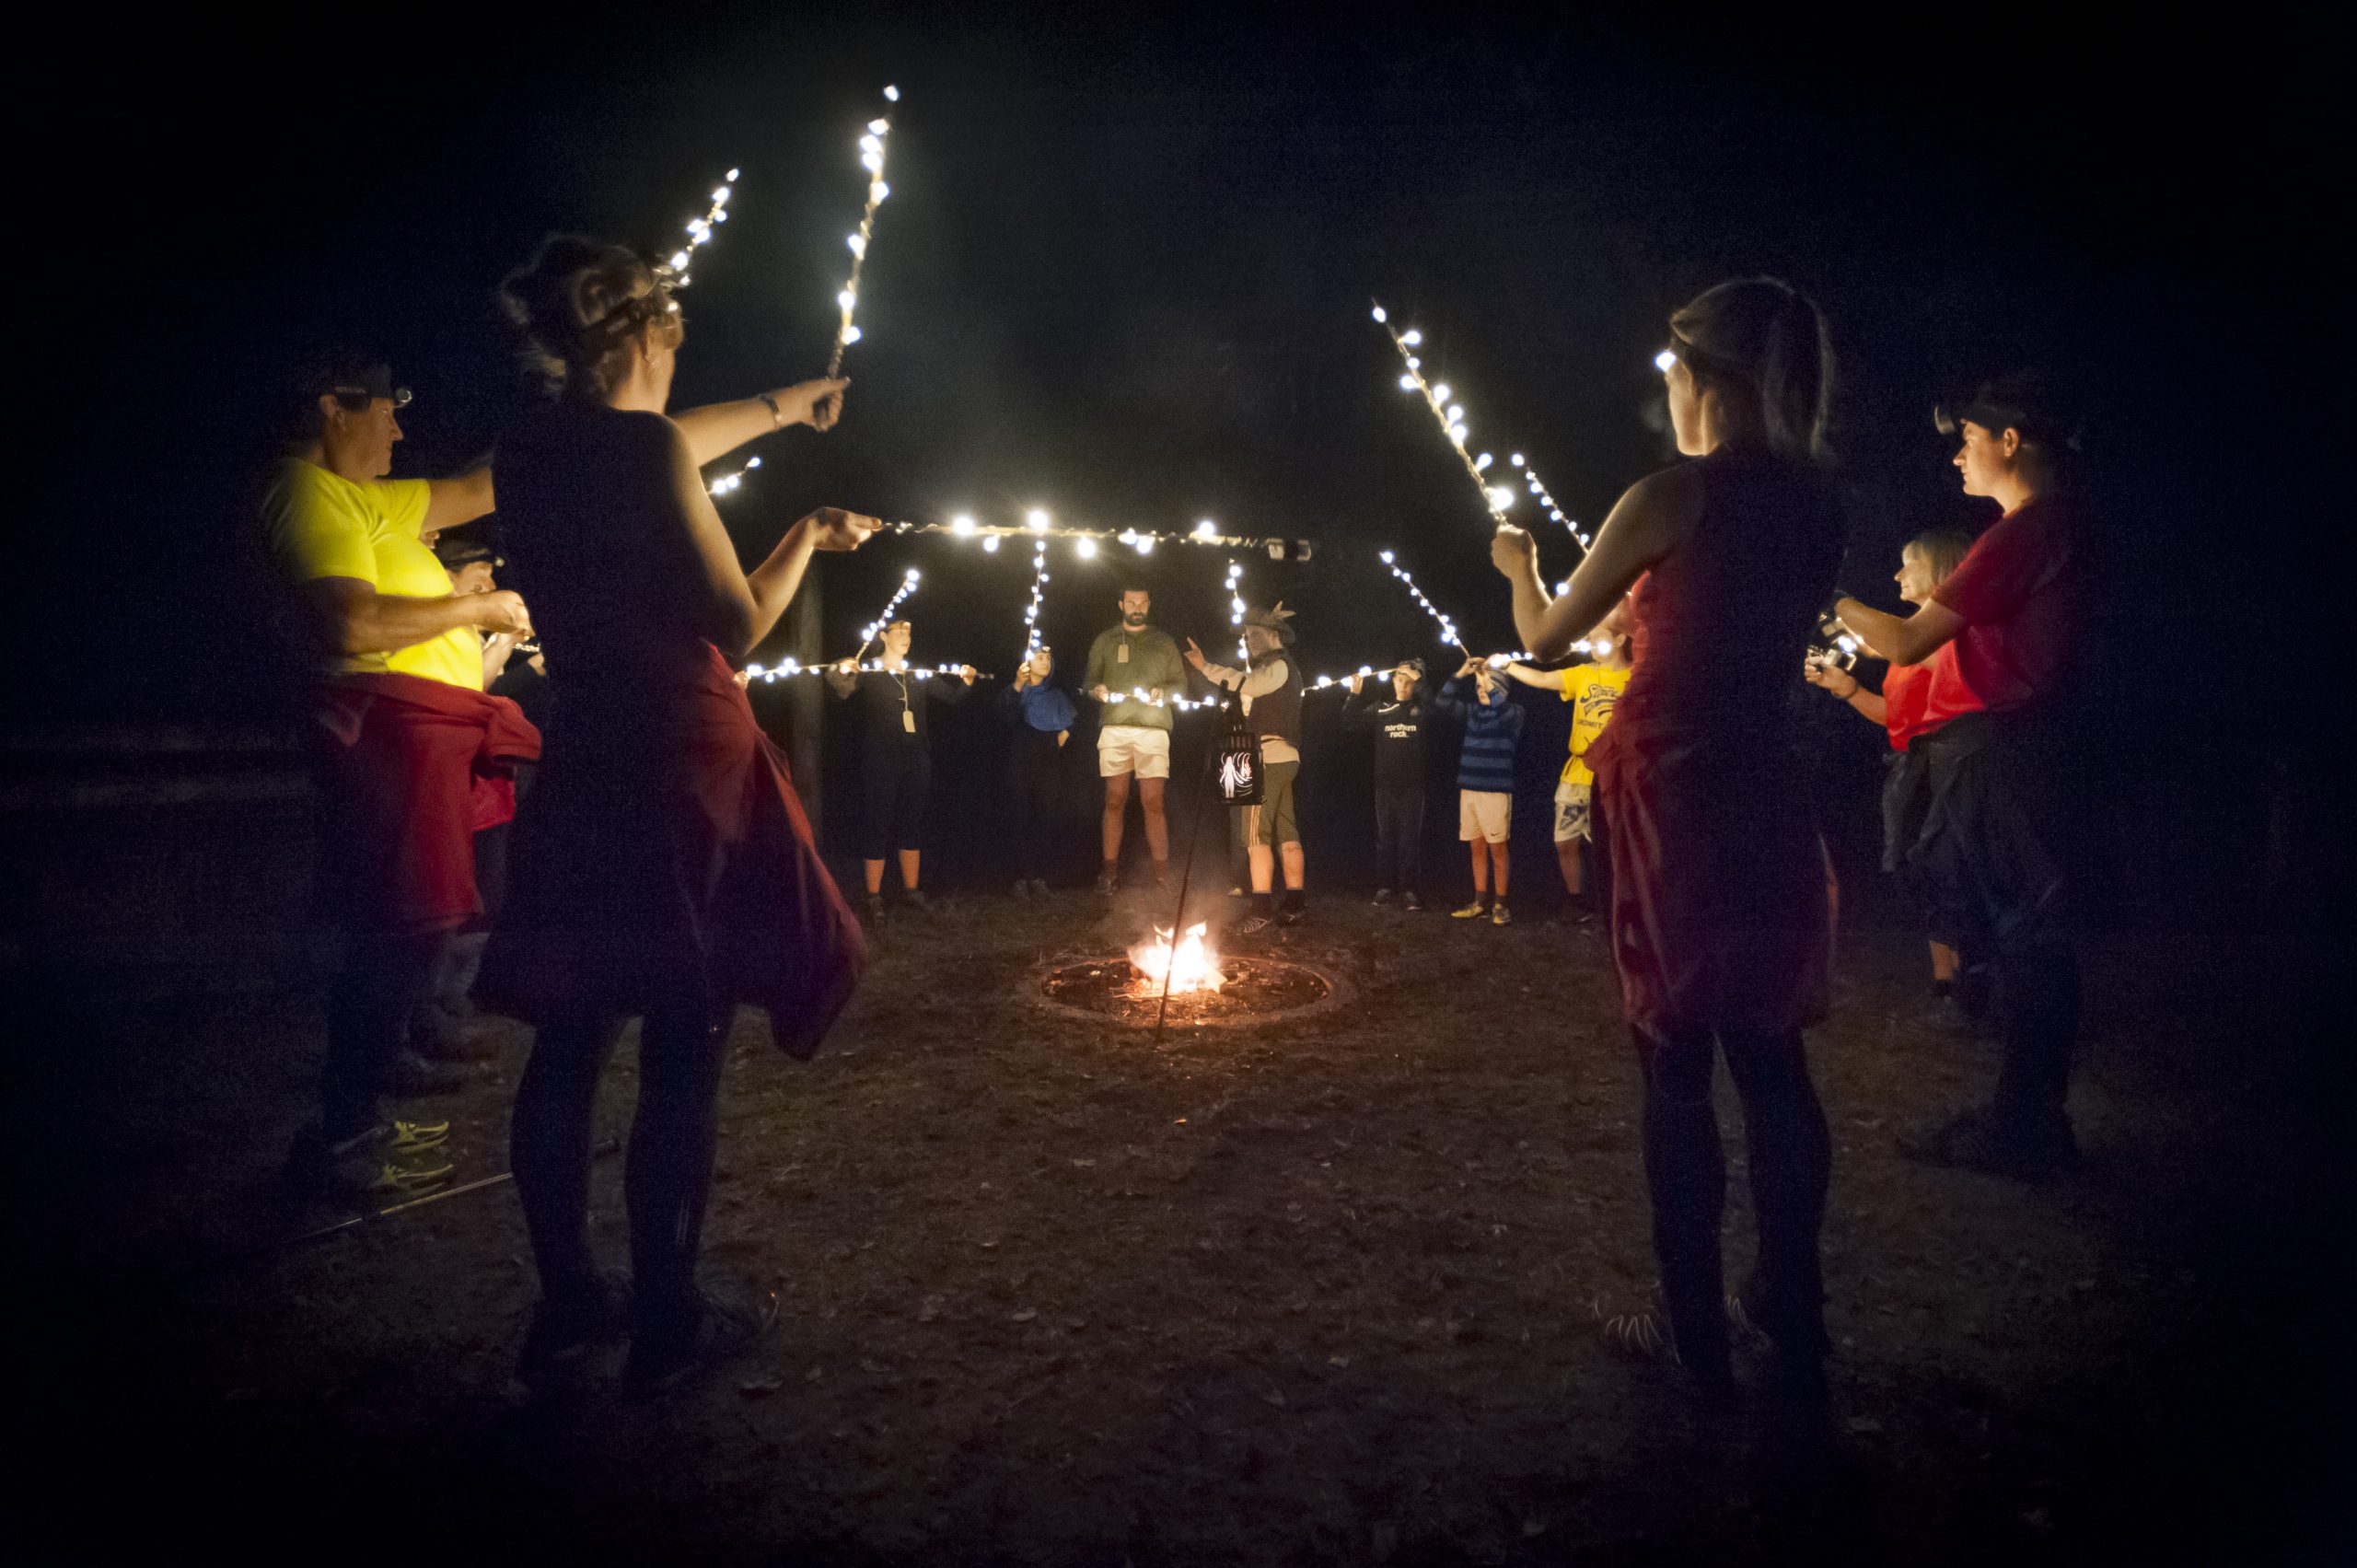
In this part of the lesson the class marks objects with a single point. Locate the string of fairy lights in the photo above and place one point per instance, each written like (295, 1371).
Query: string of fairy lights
(699, 232)
(1495, 498)
(871, 157)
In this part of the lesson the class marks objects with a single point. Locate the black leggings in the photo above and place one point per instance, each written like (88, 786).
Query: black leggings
(1791, 1157)
(671, 1142)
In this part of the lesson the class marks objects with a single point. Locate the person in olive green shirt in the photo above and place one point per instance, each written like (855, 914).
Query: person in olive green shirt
(1134, 671)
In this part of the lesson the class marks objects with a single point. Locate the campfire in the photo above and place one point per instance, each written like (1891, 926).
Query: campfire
(1192, 967)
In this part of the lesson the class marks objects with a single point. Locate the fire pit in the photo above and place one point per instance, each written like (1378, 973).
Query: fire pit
(1207, 990)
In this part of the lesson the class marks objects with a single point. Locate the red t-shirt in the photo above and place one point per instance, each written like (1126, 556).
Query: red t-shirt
(1919, 697)
(2018, 590)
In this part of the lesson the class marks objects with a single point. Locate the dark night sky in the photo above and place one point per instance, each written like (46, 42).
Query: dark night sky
(1124, 272)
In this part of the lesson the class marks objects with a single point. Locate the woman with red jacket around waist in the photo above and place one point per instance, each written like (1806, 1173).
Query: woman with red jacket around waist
(663, 868)
(1721, 910)
(1933, 719)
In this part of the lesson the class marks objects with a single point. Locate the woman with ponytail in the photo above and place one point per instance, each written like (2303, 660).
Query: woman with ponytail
(663, 868)
(1721, 890)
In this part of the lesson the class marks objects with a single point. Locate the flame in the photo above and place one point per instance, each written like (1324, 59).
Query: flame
(1194, 967)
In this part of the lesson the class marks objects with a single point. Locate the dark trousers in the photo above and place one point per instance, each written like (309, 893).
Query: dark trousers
(1399, 833)
(382, 979)
(895, 783)
(1999, 836)
(1686, 1175)
(671, 1142)
(1033, 772)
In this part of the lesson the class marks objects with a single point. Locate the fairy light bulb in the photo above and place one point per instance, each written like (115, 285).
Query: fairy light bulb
(1411, 337)
(1664, 360)
(1206, 530)
(1036, 520)
(962, 526)
(990, 545)
(1085, 549)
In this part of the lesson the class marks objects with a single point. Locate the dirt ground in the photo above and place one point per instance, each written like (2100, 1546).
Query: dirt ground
(1313, 1292)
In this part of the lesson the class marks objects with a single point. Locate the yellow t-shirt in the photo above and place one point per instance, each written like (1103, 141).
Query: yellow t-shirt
(320, 524)
(1592, 689)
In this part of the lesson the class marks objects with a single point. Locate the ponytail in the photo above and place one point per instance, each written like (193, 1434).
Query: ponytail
(1765, 347)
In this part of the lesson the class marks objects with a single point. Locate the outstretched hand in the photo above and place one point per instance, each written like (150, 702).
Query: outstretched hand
(501, 610)
(1514, 552)
(966, 673)
(1356, 683)
(1195, 655)
(1468, 667)
(815, 403)
(835, 529)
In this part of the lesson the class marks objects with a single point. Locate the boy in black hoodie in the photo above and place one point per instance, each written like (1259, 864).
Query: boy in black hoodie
(1396, 715)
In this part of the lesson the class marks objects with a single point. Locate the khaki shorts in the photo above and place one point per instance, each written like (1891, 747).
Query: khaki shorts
(1484, 814)
(1272, 821)
(1133, 749)
(1572, 817)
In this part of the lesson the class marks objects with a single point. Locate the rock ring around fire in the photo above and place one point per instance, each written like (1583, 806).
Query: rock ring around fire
(1253, 990)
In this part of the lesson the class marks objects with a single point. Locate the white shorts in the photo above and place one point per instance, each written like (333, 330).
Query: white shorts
(1573, 818)
(1133, 749)
(1484, 814)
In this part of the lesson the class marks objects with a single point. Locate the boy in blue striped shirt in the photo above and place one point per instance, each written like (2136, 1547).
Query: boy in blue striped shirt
(1484, 778)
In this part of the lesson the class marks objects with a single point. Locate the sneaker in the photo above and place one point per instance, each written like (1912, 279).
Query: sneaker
(1253, 924)
(1409, 901)
(1382, 897)
(415, 1137)
(1473, 910)
(872, 907)
(1107, 882)
(411, 1076)
(914, 898)
(1641, 1332)
(368, 1168)
(1237, 891)
(1038, 886)
(564, 1335)
(1499, 915)
(1292, 914)
(665, 1352)
(1977, 1140)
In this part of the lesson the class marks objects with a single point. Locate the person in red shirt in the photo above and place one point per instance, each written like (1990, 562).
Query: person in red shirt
(2012, 611)
(1917, 705)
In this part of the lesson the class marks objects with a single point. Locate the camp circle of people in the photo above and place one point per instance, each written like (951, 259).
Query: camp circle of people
(542, 787)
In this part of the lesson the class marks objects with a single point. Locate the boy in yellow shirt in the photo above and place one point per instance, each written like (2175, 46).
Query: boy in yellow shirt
(1593, 689)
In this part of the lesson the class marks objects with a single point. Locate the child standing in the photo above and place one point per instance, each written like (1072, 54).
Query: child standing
(1591, 689)
(1398, 717)
(1484, 779)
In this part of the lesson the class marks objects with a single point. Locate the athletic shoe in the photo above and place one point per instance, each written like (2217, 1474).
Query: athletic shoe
(1641, 1332)
(1382, 896)
(564, 1335)
(1498, 914)
(1409, 901)
(1253, 924)
(1022, 889)
(411, 1076)
(872, 907)
(1236, 892)
(357, 1172)
(667, 1351)
(1977, 1140)
(415, 1137)
(1292, 914)
(914, 898)
(1105, 883)
(1038, 886)
(1473, 910)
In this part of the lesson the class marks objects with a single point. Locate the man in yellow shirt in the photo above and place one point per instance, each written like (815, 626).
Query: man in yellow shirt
(1591, 689)
(403, 729)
